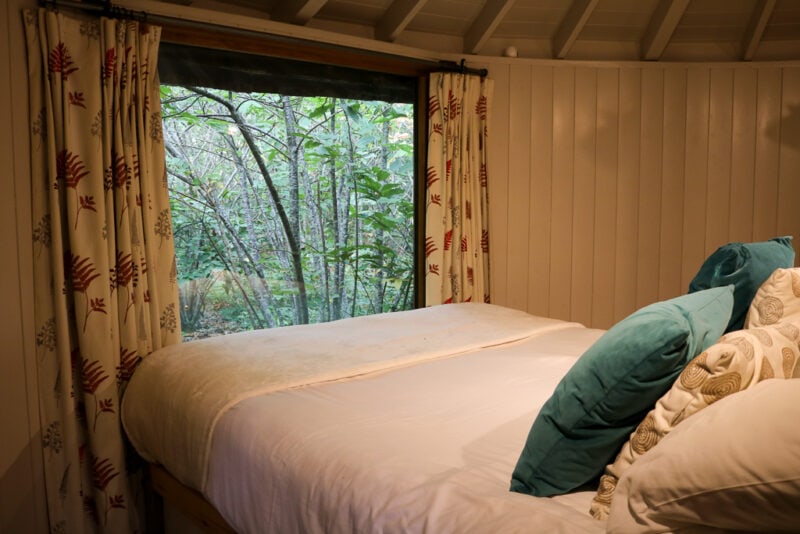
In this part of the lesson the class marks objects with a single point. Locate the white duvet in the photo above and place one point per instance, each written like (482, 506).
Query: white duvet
(412, 422)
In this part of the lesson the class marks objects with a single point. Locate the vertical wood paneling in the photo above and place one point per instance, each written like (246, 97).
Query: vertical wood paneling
(540, 217)
(499, 156)
(696, 165)
(743, 159)
(672, 184)
(563, 169)
(605, 242)
(22, 484)
(720, 134)
(585, 166)
(789, 165)
(765, 186)
(519, 185)
(651, 149)
(627, 227)
(635, 173)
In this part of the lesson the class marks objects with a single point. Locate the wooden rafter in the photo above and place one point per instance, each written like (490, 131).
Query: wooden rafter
(662, 25)
(569, 29)
(296, 11)
(755, 30)
(396, 18)
(484, 25)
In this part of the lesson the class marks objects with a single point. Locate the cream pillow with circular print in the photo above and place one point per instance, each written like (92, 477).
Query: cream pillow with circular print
(777, 300)
(738, 361)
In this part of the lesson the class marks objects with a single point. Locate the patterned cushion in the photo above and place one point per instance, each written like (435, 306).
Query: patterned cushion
(778, 299)
(738, 361)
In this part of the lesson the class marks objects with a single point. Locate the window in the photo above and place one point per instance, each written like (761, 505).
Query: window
(292, 187)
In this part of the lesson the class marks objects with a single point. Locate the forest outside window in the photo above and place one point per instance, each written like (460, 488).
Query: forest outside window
(292, 189)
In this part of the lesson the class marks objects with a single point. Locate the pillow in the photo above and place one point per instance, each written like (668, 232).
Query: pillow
(607, 392)
(778, 299)
(739, 361)
(746, 266)
(733, 466)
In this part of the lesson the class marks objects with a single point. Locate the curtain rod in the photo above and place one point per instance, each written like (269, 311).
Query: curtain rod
(108, 9)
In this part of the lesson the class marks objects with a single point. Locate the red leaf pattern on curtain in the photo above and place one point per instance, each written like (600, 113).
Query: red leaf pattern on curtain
(76, 99)
(103, 472)
(128, 361)
(92, 375)
(482, 107)
(433, 105)
(430, 246)
(69, 169)
(60, 62)
(432, 176)
(110, 64)
(81, 273)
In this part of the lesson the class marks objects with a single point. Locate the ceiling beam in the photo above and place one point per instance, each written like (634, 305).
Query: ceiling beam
(662, 25)
(396, 18)
(569, 29)
(755, 30)
(296, 11)
(485, 23)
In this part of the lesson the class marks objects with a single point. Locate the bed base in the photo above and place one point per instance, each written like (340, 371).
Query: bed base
(189, 502)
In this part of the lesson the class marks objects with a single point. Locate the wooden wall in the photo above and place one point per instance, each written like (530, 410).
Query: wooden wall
(610, 183)
(22, 505)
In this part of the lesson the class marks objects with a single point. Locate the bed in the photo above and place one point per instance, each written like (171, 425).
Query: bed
(467, 418)
(419, 432)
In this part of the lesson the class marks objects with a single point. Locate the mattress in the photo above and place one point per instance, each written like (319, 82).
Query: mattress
(425, 441)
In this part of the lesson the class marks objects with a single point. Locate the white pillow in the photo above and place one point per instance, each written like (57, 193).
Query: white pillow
(734, 465)
(778, 299)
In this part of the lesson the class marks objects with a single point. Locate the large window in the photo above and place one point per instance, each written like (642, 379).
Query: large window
(292, 190)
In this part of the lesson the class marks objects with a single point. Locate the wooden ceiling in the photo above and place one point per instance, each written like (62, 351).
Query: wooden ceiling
(666, 30)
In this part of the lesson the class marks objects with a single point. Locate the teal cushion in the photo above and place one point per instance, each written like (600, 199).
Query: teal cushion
(611, 387)
(746, 266)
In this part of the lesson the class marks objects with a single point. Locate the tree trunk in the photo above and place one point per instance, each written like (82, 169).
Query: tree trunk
(291, 236)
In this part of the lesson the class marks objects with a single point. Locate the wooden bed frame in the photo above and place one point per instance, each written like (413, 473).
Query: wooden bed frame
(189, 502)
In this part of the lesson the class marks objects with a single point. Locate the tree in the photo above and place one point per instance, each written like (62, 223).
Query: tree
(278, 200)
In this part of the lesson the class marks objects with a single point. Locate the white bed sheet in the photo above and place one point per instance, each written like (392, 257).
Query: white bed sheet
(427, 448)
(178, 393)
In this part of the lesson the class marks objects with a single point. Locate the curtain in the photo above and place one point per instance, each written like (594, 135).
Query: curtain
(105, 277)
(456, 222)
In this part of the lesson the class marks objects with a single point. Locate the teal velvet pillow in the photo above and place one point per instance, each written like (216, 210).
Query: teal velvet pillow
(612, 386)
(746, 266)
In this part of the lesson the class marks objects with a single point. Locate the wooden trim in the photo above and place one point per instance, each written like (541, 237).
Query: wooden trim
(189, 502)
(572, 25)
(301, 50)
(755, 29)
(662, 25)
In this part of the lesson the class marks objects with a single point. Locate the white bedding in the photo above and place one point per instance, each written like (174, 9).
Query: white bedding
(427, 448)
(404, 422)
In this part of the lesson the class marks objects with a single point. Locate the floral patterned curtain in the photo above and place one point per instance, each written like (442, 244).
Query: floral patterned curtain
(105, 280)
(456, 233)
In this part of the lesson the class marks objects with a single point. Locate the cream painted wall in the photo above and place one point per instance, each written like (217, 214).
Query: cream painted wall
(22, 505)
(610, 183)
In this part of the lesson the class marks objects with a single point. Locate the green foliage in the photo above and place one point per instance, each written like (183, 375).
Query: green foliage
(350, 175)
